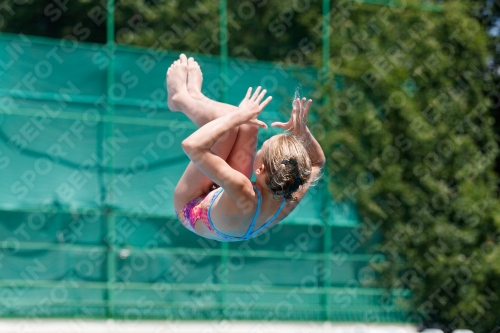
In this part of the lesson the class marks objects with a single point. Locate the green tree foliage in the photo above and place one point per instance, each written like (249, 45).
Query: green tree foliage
(259, 29)
(85, 20)
(487, 13)
(410, 140)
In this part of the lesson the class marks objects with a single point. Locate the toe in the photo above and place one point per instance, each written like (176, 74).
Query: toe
(191, 62)
(183, 59)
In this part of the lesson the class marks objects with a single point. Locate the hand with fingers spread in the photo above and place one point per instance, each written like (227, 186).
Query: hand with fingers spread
(251, 106)
(297, 124)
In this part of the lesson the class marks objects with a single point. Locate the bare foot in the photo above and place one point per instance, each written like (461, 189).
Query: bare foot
(195, 78)
(176, 83)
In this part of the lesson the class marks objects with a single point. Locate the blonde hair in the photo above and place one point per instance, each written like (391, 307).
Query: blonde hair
(287, 164)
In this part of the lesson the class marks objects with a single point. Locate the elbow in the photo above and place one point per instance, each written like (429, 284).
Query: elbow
(320, 163)
(188, 146)
(192, 150)
(322, 159)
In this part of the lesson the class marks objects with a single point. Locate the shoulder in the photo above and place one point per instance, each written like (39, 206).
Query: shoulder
(240, 198)
(239, 186)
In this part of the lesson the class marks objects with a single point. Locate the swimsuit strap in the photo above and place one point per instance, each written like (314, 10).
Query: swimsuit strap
(249, 231)
(271, 219)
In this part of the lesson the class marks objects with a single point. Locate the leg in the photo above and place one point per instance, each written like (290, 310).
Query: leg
(242, 154)
(194, 88)
(237, 147)
(193, 182)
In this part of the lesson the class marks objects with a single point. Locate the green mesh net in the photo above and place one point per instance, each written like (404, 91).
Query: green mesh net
(89, 158)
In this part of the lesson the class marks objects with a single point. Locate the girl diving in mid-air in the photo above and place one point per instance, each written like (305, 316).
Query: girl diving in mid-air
(215, 197)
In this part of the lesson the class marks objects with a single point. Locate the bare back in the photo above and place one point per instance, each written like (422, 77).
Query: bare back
(234, 218)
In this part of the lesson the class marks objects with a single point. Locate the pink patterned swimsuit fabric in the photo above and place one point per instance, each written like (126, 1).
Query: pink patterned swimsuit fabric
(197, 209)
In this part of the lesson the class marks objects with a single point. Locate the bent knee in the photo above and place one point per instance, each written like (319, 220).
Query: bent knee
(248, 129)
(248, 137)
(232, 133)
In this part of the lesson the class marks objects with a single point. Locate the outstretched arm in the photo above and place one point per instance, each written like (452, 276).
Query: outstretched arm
(313, 149)
(297, 125)
(199, 144)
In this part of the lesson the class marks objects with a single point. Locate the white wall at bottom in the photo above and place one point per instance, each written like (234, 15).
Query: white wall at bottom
(117, 326)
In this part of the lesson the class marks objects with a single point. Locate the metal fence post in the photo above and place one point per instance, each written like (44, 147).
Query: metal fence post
(223, 36)
(327, 241)
(108, 169)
